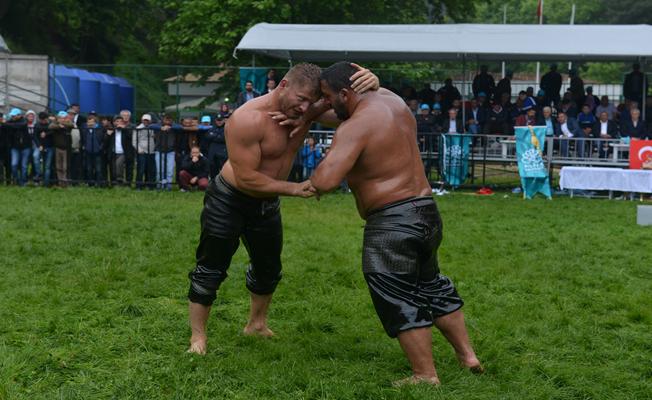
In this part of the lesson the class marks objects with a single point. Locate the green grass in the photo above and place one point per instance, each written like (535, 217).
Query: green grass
(93, 285)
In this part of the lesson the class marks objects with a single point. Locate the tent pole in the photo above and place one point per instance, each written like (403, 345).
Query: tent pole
(642, 62)
(464, 88)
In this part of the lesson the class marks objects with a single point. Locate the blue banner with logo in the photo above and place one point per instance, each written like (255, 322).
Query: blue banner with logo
(455, 158)
(530, 145)
(256, 75)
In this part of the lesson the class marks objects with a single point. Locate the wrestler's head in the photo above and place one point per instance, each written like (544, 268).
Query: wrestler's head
(298, 89)
(336, 87)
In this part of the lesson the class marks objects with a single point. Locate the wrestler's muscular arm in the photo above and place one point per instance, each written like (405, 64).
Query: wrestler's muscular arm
(243, 139)
(348, 143)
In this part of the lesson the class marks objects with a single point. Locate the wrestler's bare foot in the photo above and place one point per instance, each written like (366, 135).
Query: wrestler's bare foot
(257, 330)
(471, 363)
(198, 344)
(416, 380)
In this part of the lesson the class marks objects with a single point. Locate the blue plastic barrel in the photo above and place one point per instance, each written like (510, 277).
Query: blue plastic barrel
(126, 94)
(64, 87)
(89, 91)
(109, 103)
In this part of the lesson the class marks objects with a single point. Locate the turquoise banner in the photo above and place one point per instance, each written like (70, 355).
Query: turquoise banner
(455, 158)
(257, 75)
(530, 145)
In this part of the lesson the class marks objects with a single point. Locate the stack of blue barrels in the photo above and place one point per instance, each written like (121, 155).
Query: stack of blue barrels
(102, 93)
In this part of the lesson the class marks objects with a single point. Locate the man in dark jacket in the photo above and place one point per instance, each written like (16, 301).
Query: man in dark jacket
(194, 171)
(483, 82)
(504, 86)
(165, 140)
(568, 128)
(213, 143)
(94, 143)
(61, 140)
(605, 129)
(21, 145)
(551, 85)
(454, 123)
(634, 127)
(449, 93)
(120, 151)
(248, 94)
(576, 87)
(635, 84)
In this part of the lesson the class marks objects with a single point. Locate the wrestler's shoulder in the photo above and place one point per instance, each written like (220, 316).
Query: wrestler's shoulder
(246, 119)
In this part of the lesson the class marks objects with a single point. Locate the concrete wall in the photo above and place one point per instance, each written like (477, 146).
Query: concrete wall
(23, 82)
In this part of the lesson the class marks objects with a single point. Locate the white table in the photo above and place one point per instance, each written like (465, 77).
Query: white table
(611, 179)
(618, 147)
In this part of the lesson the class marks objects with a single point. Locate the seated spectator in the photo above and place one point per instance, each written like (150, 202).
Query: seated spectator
(548, 120)
(225, 112)
(194, 171)
(528, 119)
(497, 121)
(567, 128)
(541, 101)
(608, 107)
(626, 111)
(427, 95)
(310, 155)
(586, 119)
(476, 117)
(605, 129)
(453, 124)
(438, 116)
(449, 93)
(568, 107)
(413, 105)
(634, 127)
(425, 128)
(248, 94)
(525, 102)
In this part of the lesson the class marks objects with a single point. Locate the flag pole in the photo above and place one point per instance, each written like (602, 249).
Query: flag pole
(504, 22)
(572, 22)
(540, 14)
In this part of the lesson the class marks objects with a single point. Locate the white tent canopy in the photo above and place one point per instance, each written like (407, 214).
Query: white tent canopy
(452, 42)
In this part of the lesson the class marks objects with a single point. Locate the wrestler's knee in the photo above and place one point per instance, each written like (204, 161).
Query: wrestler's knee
(263, 279)
(204, 282)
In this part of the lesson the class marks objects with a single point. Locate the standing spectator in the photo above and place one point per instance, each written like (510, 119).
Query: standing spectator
(75, 171)
(568, 107)
(427, 95)
(271, 76)
(225, 112)
(634, 127)
(126, 118)
(34, 134)
(40, 133)
(425, 129)
(248, 94)
(453, 124)
(213, 144)
(93, 140)
(504, 86)
(143, 142)
(449, 93)
(551, 86)
(311, 155)
(608, 107)
(119, 150)
(21, 145)
(576, 87)
(76, 117)
(605, 129)
(270, 85)
(47, 147)
(165, 142)
(590, 100)
(60, 131)
(413, 105)
(635, 84)
(194, 171)
(483, 82)
(5, 152)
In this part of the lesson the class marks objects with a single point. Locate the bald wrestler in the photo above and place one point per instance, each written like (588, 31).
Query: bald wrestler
(375, 149)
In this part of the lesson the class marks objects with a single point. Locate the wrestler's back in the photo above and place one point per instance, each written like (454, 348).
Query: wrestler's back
(389, 168)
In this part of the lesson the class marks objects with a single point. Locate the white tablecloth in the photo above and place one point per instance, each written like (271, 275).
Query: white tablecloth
(623, 180)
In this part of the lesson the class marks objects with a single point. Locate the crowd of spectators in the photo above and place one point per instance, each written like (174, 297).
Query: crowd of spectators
(577, 113)
(68, 148)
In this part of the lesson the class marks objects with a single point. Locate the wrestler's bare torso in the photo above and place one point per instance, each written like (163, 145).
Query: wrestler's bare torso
(379, 140)
(256, 141)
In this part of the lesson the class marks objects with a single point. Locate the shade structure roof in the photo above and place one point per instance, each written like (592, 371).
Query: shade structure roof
(449, 42)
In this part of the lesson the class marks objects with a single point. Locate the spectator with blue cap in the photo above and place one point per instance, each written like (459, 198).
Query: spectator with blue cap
(61, 140)
(212, 143)
(21, 145)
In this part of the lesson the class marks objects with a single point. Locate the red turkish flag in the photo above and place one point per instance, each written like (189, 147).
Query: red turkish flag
(639, 151)
(539, 9)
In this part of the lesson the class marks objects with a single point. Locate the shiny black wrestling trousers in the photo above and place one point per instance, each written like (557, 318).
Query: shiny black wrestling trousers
(399, 262)
(229, 215)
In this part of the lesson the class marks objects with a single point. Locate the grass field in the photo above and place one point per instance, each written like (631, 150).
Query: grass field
(93, 306)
